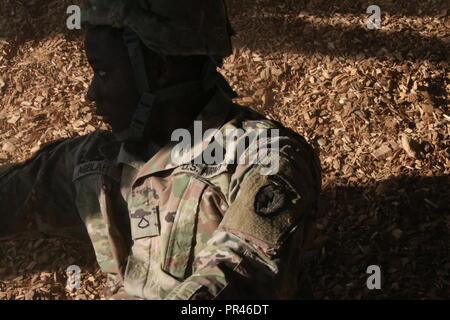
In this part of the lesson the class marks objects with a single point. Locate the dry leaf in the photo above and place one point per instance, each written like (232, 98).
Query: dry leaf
(276, 72)
(381, 152)
(407, 146)
(13, 119)
(8, 147)
(382, 97)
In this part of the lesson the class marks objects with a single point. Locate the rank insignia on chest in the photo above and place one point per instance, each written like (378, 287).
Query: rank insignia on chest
(145, 222)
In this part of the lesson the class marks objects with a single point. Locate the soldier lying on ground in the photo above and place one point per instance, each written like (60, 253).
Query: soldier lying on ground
(163, 228)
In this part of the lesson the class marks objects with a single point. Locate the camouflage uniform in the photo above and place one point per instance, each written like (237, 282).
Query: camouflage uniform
(174, 231)
(166, 230)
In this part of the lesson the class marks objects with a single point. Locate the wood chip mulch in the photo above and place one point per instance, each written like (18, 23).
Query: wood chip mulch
(374, 103)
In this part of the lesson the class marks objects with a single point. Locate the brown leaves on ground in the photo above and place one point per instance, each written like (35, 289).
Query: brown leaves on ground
(34, 267)
(374, 103)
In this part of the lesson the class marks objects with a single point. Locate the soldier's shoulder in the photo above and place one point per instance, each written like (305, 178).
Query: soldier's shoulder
(250, 120)
(291, 148)
(97, 155)
(98, 145)
(247, 117)
(90, 141)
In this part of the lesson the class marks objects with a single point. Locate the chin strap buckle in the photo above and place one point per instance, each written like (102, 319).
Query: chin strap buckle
(144, 108)
(139, 121)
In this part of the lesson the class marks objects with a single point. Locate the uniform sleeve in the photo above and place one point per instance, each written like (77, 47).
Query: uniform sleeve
(256, 251)
(38, 194)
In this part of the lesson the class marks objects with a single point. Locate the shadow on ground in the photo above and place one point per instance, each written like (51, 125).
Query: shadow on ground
(401, 224)
(283, 28)
(278, 27)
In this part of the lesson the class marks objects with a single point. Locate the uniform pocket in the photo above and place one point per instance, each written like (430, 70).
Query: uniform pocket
(91, 203)
(181, 241)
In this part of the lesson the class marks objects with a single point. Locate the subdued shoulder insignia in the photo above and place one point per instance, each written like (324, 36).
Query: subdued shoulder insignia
(189, 168)
(99, 146)
(213, 170)
(269, 200)
(105, 168)
(109, 151)
(267, 208)
(91, 167)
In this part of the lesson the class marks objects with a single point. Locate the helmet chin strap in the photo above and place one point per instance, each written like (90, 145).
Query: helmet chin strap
(146, 103)
(211, 80)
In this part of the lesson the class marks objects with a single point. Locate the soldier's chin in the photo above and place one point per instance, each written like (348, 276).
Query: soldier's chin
(116, 128)
(112, 126)
(115, 125)
(108, 122)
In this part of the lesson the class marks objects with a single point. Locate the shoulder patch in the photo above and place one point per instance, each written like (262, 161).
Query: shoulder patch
(269, 200)
(189, 168)
(96, 167)
(266, 210)
(210, 171)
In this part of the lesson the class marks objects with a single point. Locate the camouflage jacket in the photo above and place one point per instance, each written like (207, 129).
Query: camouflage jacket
(175, 229)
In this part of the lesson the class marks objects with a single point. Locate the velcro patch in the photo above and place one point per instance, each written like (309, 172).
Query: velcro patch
(266, 209)
(144, 222)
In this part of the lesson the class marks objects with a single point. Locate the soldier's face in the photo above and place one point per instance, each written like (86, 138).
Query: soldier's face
(113, 86)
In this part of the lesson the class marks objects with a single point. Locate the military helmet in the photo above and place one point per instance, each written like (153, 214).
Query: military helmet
(171, 27)
(168, 27)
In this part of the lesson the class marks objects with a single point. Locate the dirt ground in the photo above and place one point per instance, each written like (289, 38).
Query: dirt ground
(374, 103)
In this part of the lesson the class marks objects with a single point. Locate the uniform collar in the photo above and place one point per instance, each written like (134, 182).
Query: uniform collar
(213, 116)
(131, 159)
